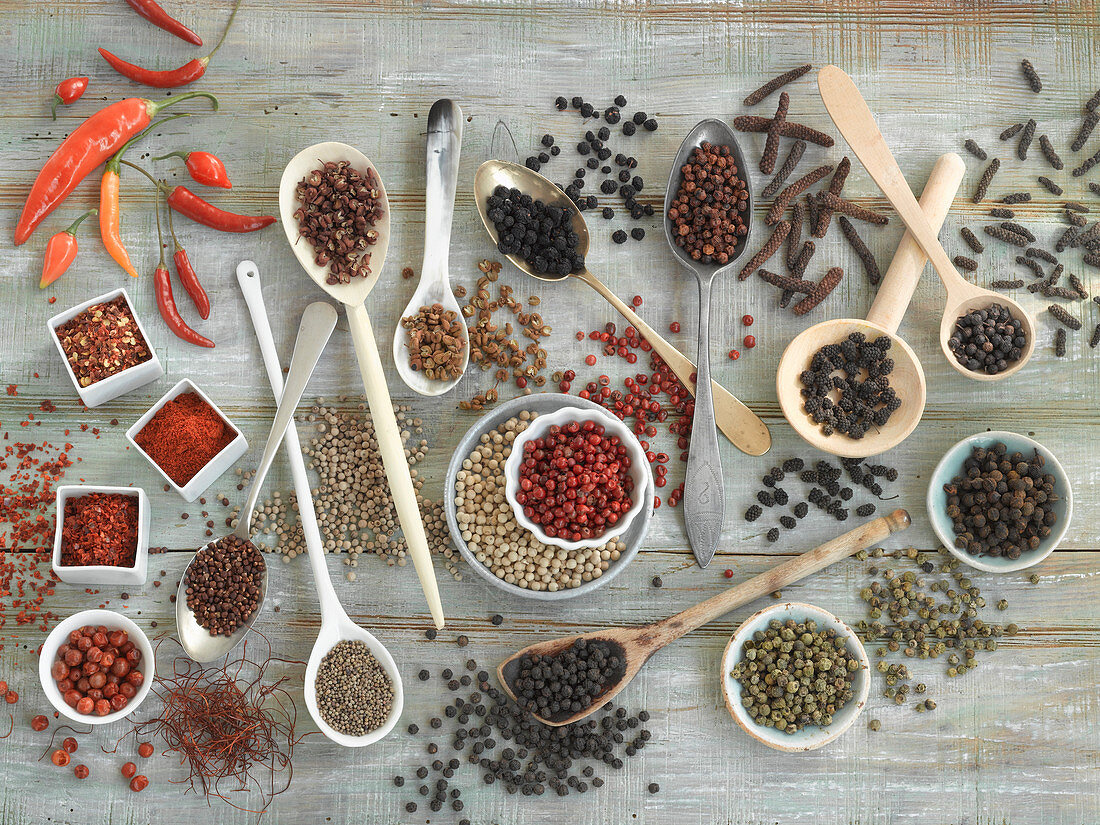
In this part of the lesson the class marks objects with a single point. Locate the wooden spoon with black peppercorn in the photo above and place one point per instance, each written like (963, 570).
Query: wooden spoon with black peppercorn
(633, 646)
(736, 421)
(853, 118)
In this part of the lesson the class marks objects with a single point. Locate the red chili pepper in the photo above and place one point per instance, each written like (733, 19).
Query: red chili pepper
(166, 302)
(190, 205)
(204, 168)
(189, 72)
(187, 274)
(68, 91)
(156, 15)
(60, 252)
(89, 145)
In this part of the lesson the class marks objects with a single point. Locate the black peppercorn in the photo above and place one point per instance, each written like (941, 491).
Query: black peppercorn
(629, 128)
(587, 110)
(618, 236)
(548, 140)
(532, 163)
(650, 125)
(637, 233)
(608, 213)
(639, 118)
(561, 103)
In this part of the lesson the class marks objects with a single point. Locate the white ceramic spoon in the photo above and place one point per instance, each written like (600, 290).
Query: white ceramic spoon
(352, 295)
(335, 624)
(444, 147)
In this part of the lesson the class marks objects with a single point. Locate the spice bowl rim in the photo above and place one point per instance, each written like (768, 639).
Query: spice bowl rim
(948, 467)
(95, 616)
(490, 420)
(218, 463)
(639, 466)
(810, 737)
(122, 382)
(134, 574)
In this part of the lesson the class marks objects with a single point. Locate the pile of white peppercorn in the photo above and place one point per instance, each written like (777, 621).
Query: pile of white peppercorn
(496, 539)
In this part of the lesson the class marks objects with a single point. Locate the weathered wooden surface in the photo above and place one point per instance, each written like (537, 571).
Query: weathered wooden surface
(1018, 741)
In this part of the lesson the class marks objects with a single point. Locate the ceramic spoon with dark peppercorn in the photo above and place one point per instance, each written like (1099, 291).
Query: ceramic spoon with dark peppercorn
(736, 421)
(853, 118)
(635, 645)
(318, 322)
(884, 317)
(704, 496)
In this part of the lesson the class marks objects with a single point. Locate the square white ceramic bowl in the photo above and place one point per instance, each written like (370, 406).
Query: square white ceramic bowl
(215, 467)
(60, 635)
(101, 573)
(950, 466)
(639, 472)
(810, 737)
(121, 382)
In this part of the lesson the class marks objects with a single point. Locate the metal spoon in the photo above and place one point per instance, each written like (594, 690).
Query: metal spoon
(318, 322)
(738, 423)
(704, 497)
(335, 624)
(444, 147)
(352, 295)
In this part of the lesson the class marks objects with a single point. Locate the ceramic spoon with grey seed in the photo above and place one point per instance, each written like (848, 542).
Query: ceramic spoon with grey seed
(704, 496)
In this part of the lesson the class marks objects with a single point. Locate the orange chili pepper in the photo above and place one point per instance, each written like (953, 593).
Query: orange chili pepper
(60, 252)
(110, 218)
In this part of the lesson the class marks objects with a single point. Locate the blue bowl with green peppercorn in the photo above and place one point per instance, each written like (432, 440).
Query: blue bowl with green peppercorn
(810, 737)
(951, 465)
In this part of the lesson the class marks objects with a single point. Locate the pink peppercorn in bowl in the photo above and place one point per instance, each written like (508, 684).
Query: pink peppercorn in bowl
(60, 635)
(641, 496)
(133, 574)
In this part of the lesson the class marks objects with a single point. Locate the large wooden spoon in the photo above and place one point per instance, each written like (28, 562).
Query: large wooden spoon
(634, 645)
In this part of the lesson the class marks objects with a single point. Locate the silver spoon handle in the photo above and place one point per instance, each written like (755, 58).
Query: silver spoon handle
(444, 147)
(318, 322)
(704, 496)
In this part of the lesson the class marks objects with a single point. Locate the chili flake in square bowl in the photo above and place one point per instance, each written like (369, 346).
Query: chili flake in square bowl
(102, 535)
(105, 348)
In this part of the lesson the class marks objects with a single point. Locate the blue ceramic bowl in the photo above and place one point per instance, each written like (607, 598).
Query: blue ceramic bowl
(951, 465)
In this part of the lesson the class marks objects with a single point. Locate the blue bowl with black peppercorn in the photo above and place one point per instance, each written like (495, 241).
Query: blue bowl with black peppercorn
(1000, 501)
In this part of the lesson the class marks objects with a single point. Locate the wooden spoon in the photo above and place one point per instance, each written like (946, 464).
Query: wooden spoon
(634, 645)
(853, 118)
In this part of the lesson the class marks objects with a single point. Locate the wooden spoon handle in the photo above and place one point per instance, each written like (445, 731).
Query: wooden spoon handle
(668, 630)
(737, 422)
(853, 118)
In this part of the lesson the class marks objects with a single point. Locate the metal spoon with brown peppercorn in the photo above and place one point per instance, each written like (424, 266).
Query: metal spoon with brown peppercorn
(214, 611)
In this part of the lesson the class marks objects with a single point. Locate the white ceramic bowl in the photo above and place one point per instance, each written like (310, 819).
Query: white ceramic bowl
(120, 383)
(60, 634)
(101, 573)
(639, 472)
(950, 466)
(215, 467)
(810, 737)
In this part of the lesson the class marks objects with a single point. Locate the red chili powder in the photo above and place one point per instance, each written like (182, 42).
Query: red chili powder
(100, 528)
(183, 436)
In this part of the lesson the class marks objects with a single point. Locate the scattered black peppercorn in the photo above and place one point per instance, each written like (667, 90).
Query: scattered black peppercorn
(618, 236)
(561, 103)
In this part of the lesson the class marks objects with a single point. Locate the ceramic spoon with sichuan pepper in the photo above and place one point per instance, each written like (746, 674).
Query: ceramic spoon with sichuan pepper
(736, 421)
(635, 645)
(318, 322)
(704, 497)
(352, 295)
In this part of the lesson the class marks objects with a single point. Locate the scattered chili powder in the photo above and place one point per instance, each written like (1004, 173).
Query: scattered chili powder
(100, 529)
(183, 436)
(102, 340)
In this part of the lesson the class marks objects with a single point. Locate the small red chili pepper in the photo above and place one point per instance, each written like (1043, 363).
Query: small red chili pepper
(156, 15)
(190, 205)
(60, 252)
(68, 91)
(204, 168)
(189, 72)
(187, 274)
(166, 303)
(90, 144)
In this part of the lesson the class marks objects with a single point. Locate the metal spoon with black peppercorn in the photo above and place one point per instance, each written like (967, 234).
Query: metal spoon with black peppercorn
(708, 214)
(204, 643)
(618, 653)
(736, 421)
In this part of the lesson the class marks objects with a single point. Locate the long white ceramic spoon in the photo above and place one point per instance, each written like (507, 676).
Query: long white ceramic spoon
(352, 295)
(335, 624)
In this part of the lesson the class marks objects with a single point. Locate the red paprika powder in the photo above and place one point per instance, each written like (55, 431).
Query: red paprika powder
(183, 436)
(100, 528)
